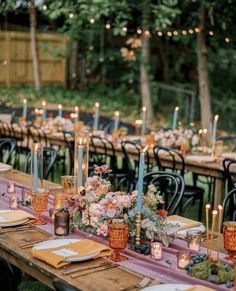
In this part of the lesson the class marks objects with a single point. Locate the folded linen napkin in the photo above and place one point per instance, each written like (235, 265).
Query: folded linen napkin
(184, 223)
(199, 288)
(57, 256)
(12, 216)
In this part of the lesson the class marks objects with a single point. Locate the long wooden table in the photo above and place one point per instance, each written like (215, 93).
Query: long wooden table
(214, 170)
(112, 279)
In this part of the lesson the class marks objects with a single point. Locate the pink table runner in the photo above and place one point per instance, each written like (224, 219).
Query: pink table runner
(138, 263)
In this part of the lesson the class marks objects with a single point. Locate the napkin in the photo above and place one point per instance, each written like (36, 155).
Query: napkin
(12, 216)
(184, 223)
(204, 159)
(199, 288)
(56, 256)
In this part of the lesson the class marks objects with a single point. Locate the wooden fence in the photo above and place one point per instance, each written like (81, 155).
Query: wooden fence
(16, 68)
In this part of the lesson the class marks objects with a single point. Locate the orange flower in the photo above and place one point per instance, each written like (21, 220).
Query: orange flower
(162, 213)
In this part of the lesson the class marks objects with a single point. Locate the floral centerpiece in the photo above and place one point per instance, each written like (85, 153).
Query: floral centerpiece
(175, 138)
(95, 205)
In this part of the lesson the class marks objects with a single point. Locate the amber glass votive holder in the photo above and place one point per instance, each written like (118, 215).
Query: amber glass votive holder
(156, 250)
(183, 259)
(40, 204)
(118, 237)
(229, 233)
(59, 200)
(194, 239)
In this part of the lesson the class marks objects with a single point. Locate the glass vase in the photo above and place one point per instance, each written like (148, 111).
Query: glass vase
(37, 166)
(81, 158)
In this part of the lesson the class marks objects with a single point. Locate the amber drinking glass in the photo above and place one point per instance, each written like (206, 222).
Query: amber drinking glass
(40, 204)
(68, 185)
(229, 232)
(118, 237)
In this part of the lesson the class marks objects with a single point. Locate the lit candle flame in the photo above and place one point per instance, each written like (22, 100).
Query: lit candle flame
(216, 117)
(44, 103)
(24, 101)
(59, 106)
(176, 108)
(97, 104)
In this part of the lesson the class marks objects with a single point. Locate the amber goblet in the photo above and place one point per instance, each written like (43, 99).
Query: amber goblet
(68, 185)
(40, 204)
(229, 232)
(118, 237)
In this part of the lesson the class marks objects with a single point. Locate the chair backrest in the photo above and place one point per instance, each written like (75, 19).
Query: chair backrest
(169, 185)
(130, 148)
(229, 166)
(229, 140)
(49, 158)
(167, 158)
(7, 148)
(70, 144)
(229, 206)
(98, 150)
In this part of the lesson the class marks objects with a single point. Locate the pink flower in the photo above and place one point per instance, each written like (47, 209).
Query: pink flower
(103, 230)
(95, 210)
(101, 169)
(109, 205)
(85, 217)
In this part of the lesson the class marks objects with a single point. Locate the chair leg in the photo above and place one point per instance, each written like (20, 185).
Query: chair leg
(200, 208)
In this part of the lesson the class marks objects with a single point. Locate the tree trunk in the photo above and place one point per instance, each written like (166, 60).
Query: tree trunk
(73, 65)
(145, 81)
(32, 14)
(204, 93)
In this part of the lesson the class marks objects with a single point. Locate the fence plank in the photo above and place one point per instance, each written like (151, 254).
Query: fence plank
(16, 59)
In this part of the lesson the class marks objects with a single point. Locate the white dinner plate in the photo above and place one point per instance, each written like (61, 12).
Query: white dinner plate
(198, 228)
(5, 168)
(167, 287)
(9, 224)
(50, 244)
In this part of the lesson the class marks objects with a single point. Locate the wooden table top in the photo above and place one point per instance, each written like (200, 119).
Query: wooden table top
(104, 280)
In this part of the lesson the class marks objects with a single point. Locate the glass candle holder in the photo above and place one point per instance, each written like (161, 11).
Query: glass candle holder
(138, 127)
(68, 184)
(218, 149)
(37, 166)
(183, 259)
(156, 250)
(40, 204)
(118, 237)
(150, 141)
(62, 222)
(13, 199)
(81, 157)
(59, 200)
(26, 195)
(194, 239)
(229, 233)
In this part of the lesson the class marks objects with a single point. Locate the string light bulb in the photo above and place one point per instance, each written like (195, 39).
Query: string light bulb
(169, 33)
(211, 33)
(147, 33)
(190, 31)
(159, 33)
(92, 20)
(45, 7)
(139, 31)
(227, 39)
(71, 15)
(175, 32)
(124, 29)
(108, 25)
(197, 30)
(184, 32)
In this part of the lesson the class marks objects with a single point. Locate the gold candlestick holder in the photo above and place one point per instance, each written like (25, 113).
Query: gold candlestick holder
(138, 221)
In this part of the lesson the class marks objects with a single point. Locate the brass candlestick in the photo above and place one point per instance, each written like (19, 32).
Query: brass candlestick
(138, 228)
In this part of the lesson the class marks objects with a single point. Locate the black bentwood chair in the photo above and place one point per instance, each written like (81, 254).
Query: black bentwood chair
(177, 165)
(7, 149)
(164, 180)
(229, 206)
(49, 158)
(229, 166)
(62, 286)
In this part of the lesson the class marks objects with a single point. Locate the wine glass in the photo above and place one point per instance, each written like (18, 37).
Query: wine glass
(118, 237)
(40, 204)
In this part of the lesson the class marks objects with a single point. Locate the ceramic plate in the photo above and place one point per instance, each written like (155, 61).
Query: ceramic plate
(9, 224)
(167, 287)
(50, 244)
(5, 168)
(198, 228)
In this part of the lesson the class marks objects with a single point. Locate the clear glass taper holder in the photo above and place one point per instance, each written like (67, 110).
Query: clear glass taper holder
(81, 158)
(37, 166)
